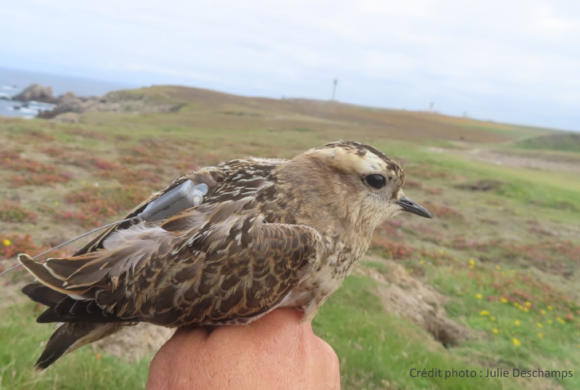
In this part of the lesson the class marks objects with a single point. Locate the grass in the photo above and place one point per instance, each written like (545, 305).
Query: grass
(555, 191)
(14, 212)
(524, 322)
(378, 350)
(21, 339)
(566, 142)
(516, 241)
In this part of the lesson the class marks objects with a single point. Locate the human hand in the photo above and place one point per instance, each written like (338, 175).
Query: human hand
(275, 352)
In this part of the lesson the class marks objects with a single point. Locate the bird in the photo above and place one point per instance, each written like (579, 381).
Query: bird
(270, 233)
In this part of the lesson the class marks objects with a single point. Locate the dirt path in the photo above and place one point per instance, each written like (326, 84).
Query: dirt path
(546, 163)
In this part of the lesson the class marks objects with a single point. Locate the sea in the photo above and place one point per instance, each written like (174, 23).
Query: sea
(14, 81)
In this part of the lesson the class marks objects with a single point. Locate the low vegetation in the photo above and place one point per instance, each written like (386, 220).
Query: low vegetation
(565, 142)
(502, 251)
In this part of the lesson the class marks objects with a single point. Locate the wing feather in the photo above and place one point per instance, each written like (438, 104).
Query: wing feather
(208, 176)
(215, 263)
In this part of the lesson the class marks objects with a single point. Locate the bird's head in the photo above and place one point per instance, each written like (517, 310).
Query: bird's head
(355, 181)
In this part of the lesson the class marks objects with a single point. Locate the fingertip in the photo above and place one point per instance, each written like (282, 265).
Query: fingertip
(328, 353)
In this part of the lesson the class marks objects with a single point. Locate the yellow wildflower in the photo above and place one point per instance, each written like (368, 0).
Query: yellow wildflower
(517, 322)
(497, 267)
(495, 331)
(550, 308)
(550, 322)
(484, 313)
(540, 335)
(421, 262)
(528, 304)
(492, 318)
(441, 251)
(543, 311)
(479, 296)
(503, 300)
(525, 309)
(471, 262)
(561, 320)
(540, 325)
(6, 242)
(516, 342)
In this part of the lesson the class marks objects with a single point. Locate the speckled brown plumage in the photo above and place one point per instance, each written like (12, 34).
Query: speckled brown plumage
(269, 233)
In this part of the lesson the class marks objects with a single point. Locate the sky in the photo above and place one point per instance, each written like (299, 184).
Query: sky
(514, 61)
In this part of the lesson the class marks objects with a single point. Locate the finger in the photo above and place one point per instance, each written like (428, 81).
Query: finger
(182, 348)
(325, 363)
(265, 333)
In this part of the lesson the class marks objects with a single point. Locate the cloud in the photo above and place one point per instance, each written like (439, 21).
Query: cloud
(514, 61)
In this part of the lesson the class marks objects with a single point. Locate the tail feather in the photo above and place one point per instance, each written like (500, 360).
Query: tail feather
(42, 274)
(69, 337)
(41, 294)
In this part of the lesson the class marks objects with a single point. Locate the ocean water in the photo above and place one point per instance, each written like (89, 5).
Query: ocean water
(13, 81)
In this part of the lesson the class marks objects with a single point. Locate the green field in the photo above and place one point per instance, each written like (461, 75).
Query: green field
(491, 282)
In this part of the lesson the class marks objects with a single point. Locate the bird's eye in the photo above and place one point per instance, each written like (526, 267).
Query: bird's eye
(376, 181)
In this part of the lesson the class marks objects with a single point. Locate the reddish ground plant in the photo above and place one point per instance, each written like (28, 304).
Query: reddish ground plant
(529, 293)
(424, 172)
(412, 184)
(28, 135)
(13, 244)
(13, 212)
(99, 204)
(426, 232)
(554, 256)
(535, 227)
(8, 155)
(40, 179)
(33, 172)
(136, 160)
(13, 161)
(434, 191)
(389, 228)
(87, 134)
(391, 250)
(91, 162)
(437, 257)
(444, 212)
(53, 151)
(185, 166)
(124, 175)
(122, 138)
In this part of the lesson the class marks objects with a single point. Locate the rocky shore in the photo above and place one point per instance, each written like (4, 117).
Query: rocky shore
(68, 107)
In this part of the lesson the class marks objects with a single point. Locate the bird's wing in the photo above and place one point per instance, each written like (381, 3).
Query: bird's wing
(229, 266)
(209, 176)
(231, 180)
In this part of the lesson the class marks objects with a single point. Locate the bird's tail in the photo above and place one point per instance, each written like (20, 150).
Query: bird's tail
(70, 336)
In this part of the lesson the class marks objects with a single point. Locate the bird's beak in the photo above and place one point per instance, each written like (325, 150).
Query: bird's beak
(411, 206)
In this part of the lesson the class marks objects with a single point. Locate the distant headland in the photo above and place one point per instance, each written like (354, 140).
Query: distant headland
(40, 100)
